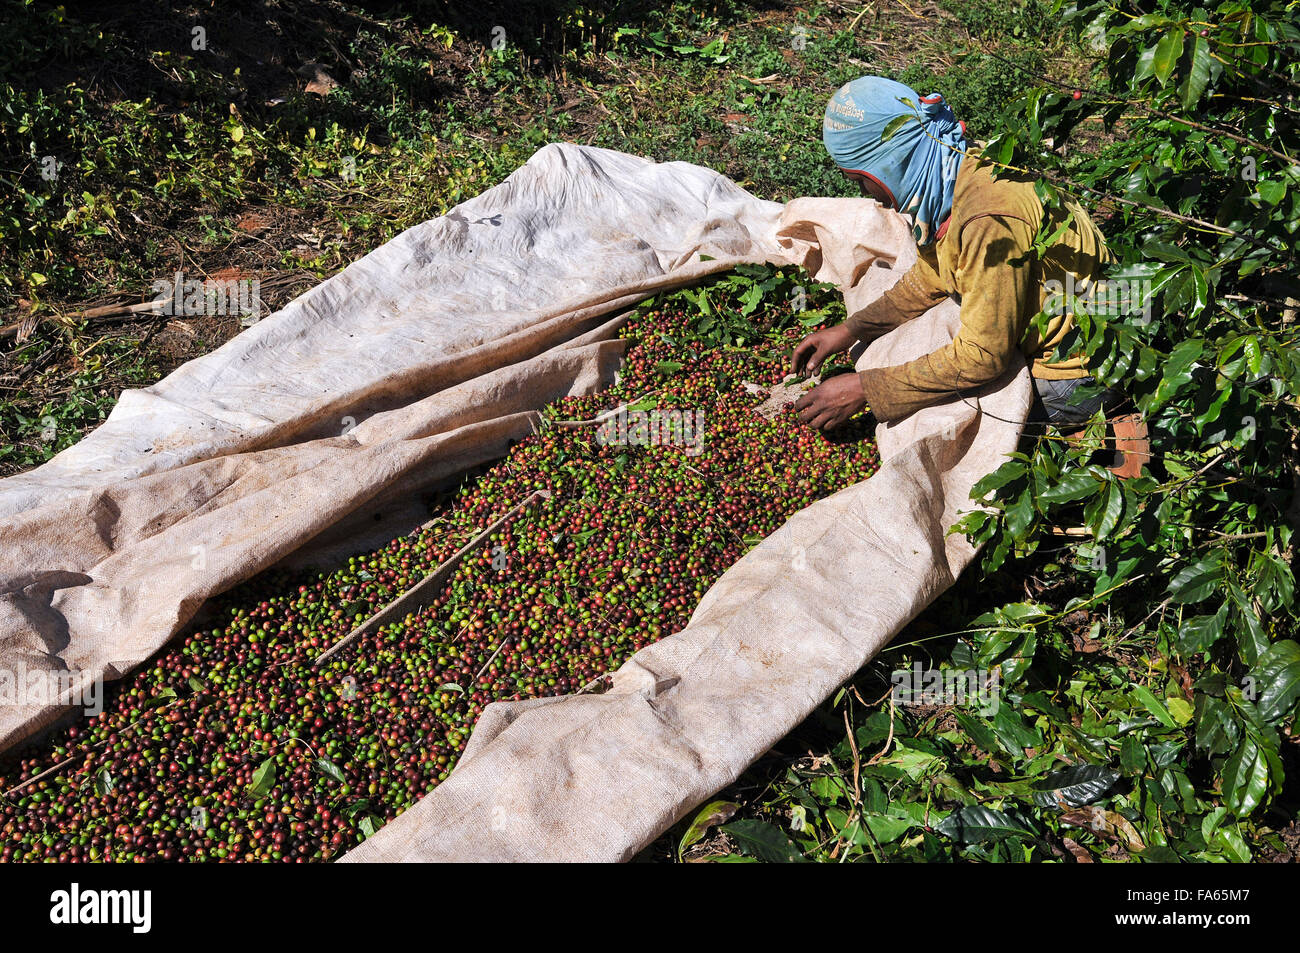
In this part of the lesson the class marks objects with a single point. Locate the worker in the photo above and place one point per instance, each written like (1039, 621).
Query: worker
(974, 236)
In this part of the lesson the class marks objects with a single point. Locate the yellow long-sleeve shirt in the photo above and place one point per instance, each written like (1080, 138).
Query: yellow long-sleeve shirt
(985, 260)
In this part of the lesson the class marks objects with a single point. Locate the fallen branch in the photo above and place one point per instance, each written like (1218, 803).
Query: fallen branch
(90, 750)
(600, 418)
(414, 598)
(102, 313)
(109, 312)
(44, 774)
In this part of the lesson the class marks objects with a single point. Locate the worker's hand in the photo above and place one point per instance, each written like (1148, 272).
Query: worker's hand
(832, 402)
(816, 347)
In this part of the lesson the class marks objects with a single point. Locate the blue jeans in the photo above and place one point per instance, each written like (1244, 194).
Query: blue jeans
(1052, 401)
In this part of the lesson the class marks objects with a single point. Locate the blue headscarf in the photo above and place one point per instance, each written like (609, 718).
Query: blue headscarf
(917, 165)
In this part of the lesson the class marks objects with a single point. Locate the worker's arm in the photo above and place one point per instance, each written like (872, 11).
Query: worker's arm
(995, 282)
(915, 293)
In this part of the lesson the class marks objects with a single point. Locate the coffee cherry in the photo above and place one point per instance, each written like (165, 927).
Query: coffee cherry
(230, 745)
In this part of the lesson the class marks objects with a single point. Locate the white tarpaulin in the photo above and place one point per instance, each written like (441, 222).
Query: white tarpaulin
(429, 356)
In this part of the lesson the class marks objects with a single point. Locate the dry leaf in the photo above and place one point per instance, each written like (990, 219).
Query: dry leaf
(1108, 824)
(253, 222)
(1080, 853)
(318, 81)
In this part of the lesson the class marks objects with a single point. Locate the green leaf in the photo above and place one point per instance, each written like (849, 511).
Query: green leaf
(1245, 778)
(1020, 514)
(1082, 784)
(886, 828)
(331, 770)
(1145, 22)
(999, 478)
(1044, 243)
(1251, 637)
(1271, 191)
(1132, 755)
(1014, 667)
(764, 841)
(263, 778)
(978, 731)
(912, 757)
(1159, 854)
(1104, 510)
(875, 729)
(368, 826)
(1198, 72)
(1012, 731)
(1277, 680)
(1198, 581)
(164, 695)
(1274, 585)
(1198, 633)
(1178, 367)
(1216, 728)
(827, 788)
(1168, 50)
(1213, 410)
(105, 784)
(1180, 708)
(895, 124)
(1146, 63)
(974, 824)
(1211, 822)
(1201, 287)
(1254, 355)
(1230, 841)
(712, 814)
(1072, 485)
(1153, 705)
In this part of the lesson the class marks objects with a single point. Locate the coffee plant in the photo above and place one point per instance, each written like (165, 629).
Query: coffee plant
(1202, 204)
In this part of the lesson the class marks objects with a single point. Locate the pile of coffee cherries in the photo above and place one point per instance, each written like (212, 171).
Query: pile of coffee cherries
(233, 745)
